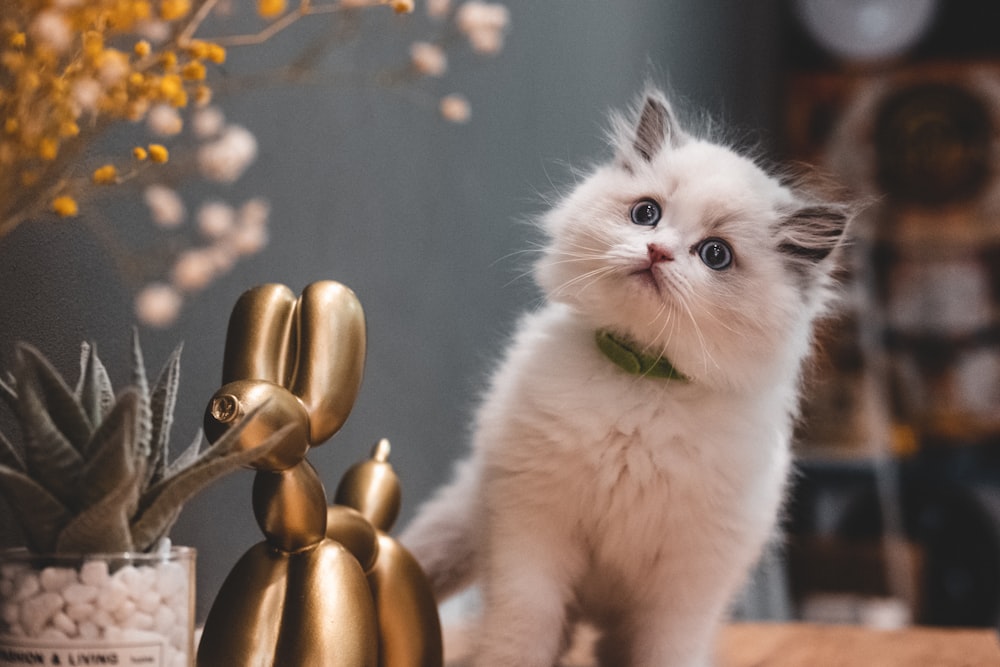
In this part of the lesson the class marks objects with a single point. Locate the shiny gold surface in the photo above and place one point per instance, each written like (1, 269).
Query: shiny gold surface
(290, 507)
(278, 407)
(409, 627)
(329, 618)
(372, 488)
(241, 628)
(348, 527)
(331, 355)
(301, 597)
(277, 609)
(258, 340)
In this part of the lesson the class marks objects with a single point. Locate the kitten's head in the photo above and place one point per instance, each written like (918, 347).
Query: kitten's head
(694, 252)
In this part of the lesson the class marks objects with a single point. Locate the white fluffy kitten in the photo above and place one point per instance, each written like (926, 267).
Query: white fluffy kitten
(638, 501)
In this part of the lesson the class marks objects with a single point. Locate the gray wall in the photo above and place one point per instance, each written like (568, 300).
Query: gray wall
(421, 218)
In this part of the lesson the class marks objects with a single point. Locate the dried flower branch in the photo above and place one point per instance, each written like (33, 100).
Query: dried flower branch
(70, 71)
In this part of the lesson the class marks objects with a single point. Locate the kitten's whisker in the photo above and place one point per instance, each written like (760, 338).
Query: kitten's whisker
(518, 253)
(706, 355)
(592, 276)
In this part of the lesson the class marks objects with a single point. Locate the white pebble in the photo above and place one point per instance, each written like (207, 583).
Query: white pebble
(81, 611)
(148, 602)
(172, 577)
(145, 580)
(89, 630)
(126, 610)
(10, 612)
(94, 573)
(129, 576)
(51, 634)
(139, 635)
(164, 620)
(64, 624)
(113, 595)
(79, 593)
(26, 587)
(55, 579)
(140, 620)
(103, 618)
(11, 571)
(37, 611)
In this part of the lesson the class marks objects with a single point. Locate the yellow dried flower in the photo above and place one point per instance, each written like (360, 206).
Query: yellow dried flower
(216, 54)
(142, 48)
(198, 49)
(171, 10)
(193, 71)
(69, 129)
(93, 43)
(140, 153)
(168, 60)
(141, 10)
(202, 95)
(180, 99)
(65, 206)
(269, 9)
(18, 40)
(48, 148)
(105, 175)
(170, 86)
(402, 6)
(158, 153)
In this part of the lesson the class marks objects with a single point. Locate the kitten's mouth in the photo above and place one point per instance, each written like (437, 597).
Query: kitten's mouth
(647, 277)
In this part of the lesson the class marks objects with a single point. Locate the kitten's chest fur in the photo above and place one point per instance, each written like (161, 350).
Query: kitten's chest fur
(646, 471)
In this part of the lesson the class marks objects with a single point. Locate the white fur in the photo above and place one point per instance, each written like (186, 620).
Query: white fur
(636, 503)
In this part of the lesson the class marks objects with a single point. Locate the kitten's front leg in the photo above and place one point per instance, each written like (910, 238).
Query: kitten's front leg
(525, 589)
(672, 637)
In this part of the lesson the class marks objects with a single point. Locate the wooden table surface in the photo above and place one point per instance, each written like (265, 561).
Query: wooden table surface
(804, 645)
(796, 645)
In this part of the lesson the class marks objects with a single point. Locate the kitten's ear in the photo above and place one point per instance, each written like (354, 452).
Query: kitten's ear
(655, 128)
(812, 232)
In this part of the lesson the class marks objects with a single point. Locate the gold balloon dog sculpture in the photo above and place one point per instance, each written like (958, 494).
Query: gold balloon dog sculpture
(327, 586)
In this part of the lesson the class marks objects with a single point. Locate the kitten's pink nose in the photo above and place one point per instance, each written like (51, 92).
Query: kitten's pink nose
(658, 253)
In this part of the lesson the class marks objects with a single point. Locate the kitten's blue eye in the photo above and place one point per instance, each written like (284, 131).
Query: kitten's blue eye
(716, 254)
(645, 212)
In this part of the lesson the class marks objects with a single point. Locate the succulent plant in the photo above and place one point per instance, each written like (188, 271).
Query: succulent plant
(91, 471)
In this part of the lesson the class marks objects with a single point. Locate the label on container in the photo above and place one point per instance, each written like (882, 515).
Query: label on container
(16, 652)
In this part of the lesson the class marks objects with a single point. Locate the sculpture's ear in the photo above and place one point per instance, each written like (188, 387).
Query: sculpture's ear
(654, 129)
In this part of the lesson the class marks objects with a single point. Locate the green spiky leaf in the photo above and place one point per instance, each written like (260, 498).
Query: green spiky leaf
(7, 391)
(166, 498)
(37, 376)
(110, 462)
(93, 472)
(49, 456)
(144, 420)
(162, 400)
(187, 457)
(10, 456)
(29, 499)
(93, 390)
(103, 526)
